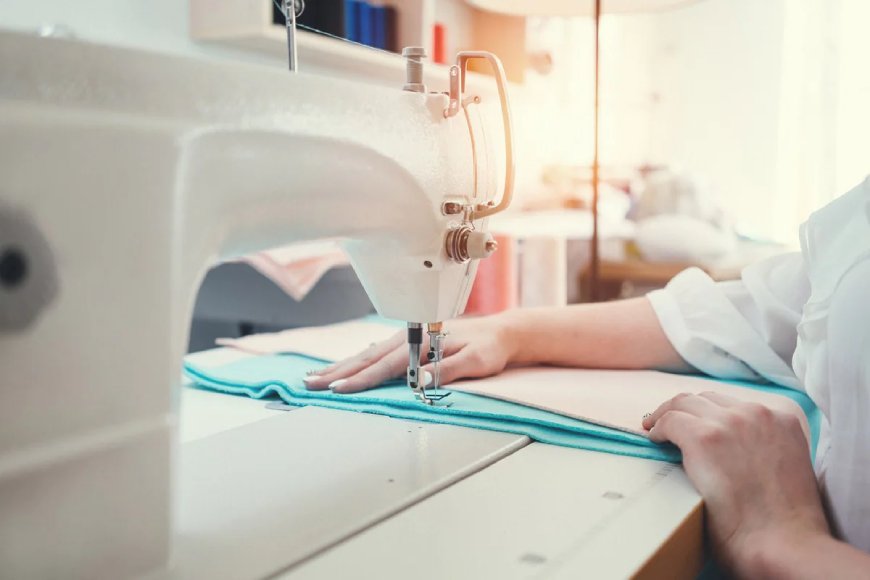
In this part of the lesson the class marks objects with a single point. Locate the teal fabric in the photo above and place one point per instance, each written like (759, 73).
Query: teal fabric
(281, 376)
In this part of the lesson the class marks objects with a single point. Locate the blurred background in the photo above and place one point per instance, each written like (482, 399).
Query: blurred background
(723, 124)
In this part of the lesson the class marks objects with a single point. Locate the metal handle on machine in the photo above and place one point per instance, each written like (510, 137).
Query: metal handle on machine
(457, 89)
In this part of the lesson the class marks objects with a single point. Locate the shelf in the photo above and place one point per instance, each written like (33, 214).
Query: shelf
(248, 24)
(574, 7)
(322, 53)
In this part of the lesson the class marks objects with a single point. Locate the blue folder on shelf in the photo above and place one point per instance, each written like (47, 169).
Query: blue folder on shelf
(379, 27)
(364, 22)
(351, 20)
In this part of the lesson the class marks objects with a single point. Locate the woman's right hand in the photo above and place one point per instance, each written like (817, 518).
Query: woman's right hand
(624, 334)
(474, 348)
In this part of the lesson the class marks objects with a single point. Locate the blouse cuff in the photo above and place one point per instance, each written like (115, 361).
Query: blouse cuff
(698, 352)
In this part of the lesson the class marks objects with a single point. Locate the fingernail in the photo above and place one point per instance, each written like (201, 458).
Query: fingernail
(427, 378)
(310, 378)
(337, 384)
(645, 415)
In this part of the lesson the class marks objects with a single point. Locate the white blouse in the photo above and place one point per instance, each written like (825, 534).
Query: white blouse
(800, 320)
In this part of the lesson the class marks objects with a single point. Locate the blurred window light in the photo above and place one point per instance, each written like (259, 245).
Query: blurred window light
(824, 111)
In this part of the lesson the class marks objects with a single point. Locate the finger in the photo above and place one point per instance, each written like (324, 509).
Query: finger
(354, 364)
(370, 354)
(465, 364)
(650, 419)
(720, 399)
(685, 402)
(392, 366)
(366, 356)
(453, 346)
(677, 427)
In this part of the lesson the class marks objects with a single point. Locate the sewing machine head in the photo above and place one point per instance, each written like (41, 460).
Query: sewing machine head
(464, 238)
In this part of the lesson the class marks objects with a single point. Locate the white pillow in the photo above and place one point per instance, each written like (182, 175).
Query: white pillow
(680, 238)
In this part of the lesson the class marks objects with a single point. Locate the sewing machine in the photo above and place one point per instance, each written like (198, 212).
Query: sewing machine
(126, 175)
(123, 176)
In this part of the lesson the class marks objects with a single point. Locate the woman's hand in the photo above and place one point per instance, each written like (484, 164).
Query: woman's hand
(752, 466)
(474, 348)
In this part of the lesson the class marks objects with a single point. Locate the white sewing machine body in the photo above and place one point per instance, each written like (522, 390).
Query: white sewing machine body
(127, 175)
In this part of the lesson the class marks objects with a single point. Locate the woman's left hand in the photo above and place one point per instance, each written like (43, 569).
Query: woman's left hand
(752, 466)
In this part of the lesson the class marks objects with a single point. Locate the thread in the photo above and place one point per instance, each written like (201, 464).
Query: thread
(439, 43)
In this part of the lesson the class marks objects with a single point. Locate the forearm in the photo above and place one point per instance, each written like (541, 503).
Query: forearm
(615, 335)
(815, 556)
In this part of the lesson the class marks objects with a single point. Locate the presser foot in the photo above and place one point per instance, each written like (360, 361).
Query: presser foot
(426, 396)
(432, 398)
(434, 356)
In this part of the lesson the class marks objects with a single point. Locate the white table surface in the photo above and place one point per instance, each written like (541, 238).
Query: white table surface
(317, 493)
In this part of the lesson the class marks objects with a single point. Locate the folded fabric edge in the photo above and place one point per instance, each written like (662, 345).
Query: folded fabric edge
(280, 388)
(620, 443)
(536, 432)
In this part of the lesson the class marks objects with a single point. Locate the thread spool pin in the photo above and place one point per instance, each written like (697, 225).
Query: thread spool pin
(414, 56)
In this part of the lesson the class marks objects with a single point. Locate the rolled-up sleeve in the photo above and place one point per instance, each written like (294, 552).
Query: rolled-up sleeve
(743, 329)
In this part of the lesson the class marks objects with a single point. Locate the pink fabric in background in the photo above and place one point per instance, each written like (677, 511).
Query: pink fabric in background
(496, 286)
(297, 268)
